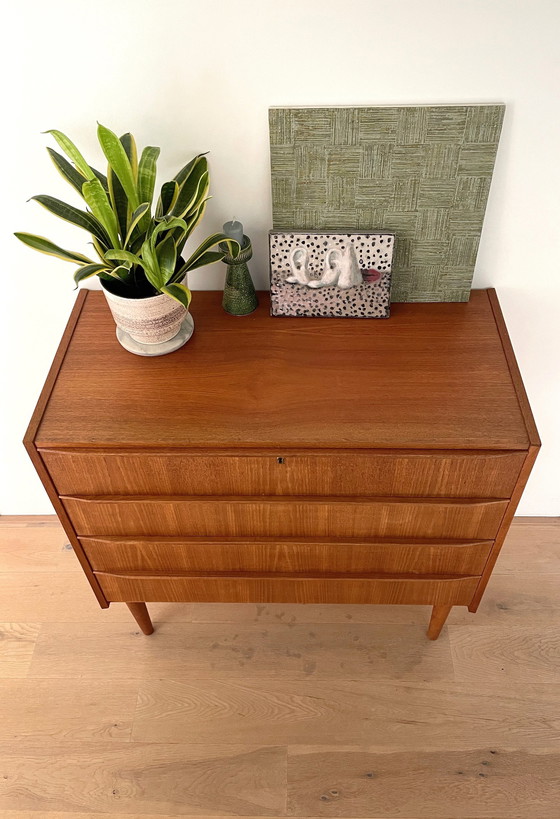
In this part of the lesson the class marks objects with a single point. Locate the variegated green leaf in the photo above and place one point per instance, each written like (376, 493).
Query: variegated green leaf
(87, 271)
(73, 153)
(100, 248)
(66, 170)
(74, 215)
(184, 172)
(192, 222)
(178, 292)
(208, 244)
(119, 202)
(167, 198)
(119, 162)
(151, 265)
(166, 253)
(129, 144)
(187, 199)
(147, 174)
(102, 178)
(123, 256)
(136, 217)
(209, 257)
(98, 203)
(171, 223)
(187, 208)
(45, 246)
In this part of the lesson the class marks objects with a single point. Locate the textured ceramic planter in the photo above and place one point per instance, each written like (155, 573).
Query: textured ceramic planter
(148, 321)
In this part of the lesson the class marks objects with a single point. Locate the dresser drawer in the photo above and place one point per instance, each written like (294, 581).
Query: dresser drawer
(434, 473)
(285, 517)
(169, 555)
(262, 588)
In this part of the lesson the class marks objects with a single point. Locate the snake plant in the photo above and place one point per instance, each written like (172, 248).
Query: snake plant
(139, 252)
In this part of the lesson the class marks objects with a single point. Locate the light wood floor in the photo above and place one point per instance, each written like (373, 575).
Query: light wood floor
(277, 710)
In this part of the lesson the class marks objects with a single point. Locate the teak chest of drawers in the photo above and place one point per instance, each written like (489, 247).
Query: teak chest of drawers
(288, 459)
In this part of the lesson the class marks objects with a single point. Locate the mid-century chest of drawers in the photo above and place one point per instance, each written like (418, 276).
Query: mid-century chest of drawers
(288, 459)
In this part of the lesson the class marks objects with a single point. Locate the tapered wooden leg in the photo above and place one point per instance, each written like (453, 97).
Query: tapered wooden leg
(140, 613)
(437, 620)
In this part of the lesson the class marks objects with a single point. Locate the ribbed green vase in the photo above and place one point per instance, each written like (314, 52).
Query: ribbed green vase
(240, 297)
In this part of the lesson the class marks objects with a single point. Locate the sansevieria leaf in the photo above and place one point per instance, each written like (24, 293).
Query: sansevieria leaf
(184, 172)
(119, 162)
(208, 244)
(98, 203)
(123, 256)
(73, 153)
(191, 194)
(74, 215)
(119, 202)
(136, 217)
(192, 222)
(166, 224)
(87, 271)
(167, 198)
(100, 248)
(129, 144)
(166, 253)
(102, 178)
(178, 292)
(48, 247)
(147, 174)
(151, 265)
(67, 171)
(209, 257)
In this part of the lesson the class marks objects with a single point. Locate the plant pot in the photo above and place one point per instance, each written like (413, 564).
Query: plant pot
(145, 324)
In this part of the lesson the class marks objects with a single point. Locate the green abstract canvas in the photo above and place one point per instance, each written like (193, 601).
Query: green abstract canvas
(422, 172)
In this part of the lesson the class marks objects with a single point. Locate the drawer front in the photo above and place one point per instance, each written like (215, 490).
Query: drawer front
(282, 517)
(288, 589)
(421, 474)
(268, 555)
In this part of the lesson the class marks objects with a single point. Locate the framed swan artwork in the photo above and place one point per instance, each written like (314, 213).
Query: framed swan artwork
(331, 274)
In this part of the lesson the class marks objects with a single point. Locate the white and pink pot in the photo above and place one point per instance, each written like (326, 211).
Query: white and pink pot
(152, 326)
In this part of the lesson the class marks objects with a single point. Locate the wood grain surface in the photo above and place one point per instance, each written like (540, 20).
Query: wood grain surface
(120, 778)
(321, 472)
(486, 782)
(289, 588)
(168, 555)
(285, 517)
(279, 710)
(17, 644)
(277, 651)
(268, 382)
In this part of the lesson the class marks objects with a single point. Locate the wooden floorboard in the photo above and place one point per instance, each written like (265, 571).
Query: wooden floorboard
(488, 782)
(277, 710)
(120, 778)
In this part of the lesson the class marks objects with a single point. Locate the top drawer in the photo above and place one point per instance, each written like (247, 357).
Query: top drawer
(435, 473)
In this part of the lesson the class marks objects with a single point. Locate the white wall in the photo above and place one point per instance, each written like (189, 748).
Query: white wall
(192, 76)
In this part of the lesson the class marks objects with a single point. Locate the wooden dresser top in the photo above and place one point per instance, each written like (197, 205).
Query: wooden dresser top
(431, 376)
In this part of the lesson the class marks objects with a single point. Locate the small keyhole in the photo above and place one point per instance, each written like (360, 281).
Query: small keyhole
(280, 460)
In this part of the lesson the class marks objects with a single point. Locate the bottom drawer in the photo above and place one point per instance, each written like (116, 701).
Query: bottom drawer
(263, 588)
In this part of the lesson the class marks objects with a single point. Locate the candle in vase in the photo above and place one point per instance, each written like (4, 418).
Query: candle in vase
(234, 230)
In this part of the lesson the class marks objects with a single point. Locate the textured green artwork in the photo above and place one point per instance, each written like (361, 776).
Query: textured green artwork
(423, 172)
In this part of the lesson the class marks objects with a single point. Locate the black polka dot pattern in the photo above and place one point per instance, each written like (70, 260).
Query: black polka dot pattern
(369, 299)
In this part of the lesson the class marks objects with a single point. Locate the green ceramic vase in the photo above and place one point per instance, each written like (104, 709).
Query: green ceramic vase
(240, 297)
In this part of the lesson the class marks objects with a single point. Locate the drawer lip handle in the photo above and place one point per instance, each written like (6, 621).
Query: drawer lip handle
(383, 576)
(278, 499)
